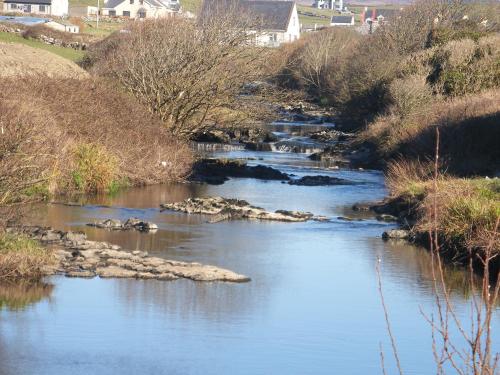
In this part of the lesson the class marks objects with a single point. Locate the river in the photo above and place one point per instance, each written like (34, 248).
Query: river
(312, 306)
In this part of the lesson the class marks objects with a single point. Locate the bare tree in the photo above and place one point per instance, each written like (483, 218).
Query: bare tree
(186, 72)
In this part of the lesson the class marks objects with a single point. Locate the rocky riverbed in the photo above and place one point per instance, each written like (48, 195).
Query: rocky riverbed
(79, 257)
(227, 209)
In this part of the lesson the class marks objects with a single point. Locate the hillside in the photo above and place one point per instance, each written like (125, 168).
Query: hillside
(21, 60)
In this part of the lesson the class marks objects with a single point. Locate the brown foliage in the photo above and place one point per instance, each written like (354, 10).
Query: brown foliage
(44, 120)
(469, 133)
(185, 73)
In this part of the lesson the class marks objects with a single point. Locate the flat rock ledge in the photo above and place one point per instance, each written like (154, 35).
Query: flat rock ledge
(132, 223)
(79, 257)
(226, 209)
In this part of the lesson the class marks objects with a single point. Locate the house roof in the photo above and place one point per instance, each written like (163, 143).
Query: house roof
(342, 19)
(271, 15)
(31, 2)
(114, 3)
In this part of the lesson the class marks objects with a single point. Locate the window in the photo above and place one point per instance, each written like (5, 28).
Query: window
(142, 13)
(126, 13)
(41, 8)
(131, 1)
(27, 9)
(13, 6)
(112, 13)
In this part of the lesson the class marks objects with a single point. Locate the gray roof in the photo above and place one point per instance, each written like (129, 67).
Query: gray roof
(342, 19)
(115, 3)
(36, 2)
(271, 15)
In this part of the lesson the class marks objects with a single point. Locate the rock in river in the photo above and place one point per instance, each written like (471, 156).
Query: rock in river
(217, 171)
(132, 223)
(79, 257)
(398, 234)
(319, 181)
(225, 209)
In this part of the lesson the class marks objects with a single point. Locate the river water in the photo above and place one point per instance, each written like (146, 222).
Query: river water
(312, 306)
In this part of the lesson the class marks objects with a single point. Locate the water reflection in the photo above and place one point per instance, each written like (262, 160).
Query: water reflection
(16, 296)
(312, 306)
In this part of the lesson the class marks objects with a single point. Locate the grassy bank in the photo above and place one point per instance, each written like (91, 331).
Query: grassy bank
(81, 136)
(23, 258)
(67, 53)
(465, 212)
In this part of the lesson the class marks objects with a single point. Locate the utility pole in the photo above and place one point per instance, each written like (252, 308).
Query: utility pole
(97, 18)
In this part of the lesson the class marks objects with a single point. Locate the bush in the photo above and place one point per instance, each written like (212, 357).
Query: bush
(469, 128)
(409, 95)
(466, 210)
(94, 169)
(82, 135)
(21, 257)
(185, 73)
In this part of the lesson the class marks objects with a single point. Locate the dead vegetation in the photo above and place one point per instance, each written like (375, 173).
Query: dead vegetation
(23, 258)
(188, 74)
(68, 135)
(20, 60)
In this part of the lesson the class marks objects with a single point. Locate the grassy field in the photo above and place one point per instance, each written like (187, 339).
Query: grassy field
(105, 28)
(311, 20)
(67, 53)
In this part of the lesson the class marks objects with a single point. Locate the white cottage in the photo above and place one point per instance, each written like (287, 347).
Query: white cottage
(42, 7)
(277, 21)
(140, 8)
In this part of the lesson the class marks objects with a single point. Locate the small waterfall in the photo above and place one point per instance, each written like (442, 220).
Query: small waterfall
(297, 145)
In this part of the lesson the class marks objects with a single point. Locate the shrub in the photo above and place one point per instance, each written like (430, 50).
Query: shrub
(409, 95)
(81, 134)
(184, 72)
(21, 257)
(94, 169)
(469, 129)
(466, 210)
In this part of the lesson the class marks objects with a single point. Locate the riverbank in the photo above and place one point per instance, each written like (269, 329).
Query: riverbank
(75, 256)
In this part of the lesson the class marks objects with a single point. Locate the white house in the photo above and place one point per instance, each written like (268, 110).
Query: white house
(83, 11)
(277, 22)
(342, 21)
(140, 8)
(42, 7)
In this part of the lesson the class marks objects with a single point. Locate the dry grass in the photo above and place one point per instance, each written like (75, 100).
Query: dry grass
(469, 126)
(89, 136)
(187, 73)
(467, 209)
(21, 257)
(20, 60)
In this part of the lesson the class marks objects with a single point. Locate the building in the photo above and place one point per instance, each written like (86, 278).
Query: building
(378, 15)
(140, 8)
(82, 11)
(42, 7)
(277, 22)
(63, 25)
(342, 21)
